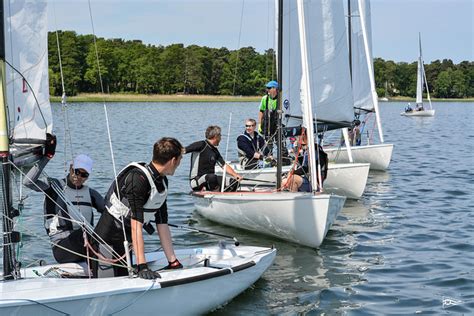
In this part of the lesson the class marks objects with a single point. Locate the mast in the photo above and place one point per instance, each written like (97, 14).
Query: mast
(349, 27)
(280, 79)
(9, 266)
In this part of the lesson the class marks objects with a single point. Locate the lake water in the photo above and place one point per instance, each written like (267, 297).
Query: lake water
(405, 248)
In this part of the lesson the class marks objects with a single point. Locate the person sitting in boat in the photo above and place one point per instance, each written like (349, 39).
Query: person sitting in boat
(408, 108)
(298, 179)
(354, 134)
(62, 224)
(251, 147)
(136, 198)
(419, 107)
(204, 158)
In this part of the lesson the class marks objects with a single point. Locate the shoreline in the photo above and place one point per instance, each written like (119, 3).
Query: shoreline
(122, 97)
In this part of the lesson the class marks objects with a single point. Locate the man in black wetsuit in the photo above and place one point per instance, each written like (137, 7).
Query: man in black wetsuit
(204, 158)
(137, 199)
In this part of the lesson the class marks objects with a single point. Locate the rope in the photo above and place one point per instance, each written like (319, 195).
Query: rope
(136, 298)
(238, 46)
(39, 303)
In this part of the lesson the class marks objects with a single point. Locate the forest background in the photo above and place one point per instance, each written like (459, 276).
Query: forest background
(132, 67)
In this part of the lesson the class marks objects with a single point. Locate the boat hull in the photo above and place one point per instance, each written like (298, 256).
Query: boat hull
(347, 179)
(379, 156)
(302, 218)
(188, 291)
(419, 113)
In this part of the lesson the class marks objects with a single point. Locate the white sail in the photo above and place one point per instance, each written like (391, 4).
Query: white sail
(363, 80)
(360, 72)
(419, 77)
(26, 54)
(328, 62)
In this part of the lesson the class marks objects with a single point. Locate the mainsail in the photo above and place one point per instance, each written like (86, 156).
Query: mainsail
(419, 76)
(26, 58)
(328, 63)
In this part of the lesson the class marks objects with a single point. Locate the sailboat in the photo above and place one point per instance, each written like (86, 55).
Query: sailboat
(421, 83)
(211, 275)
(385, 97)
(300, 217)
(363, 87)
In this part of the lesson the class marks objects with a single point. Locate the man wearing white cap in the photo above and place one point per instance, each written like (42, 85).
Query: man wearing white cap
(61, 223)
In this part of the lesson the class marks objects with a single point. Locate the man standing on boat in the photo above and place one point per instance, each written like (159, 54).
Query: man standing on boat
(251, 146)
(268, 119)
(136, 198)
(62, 225)
(204, 158)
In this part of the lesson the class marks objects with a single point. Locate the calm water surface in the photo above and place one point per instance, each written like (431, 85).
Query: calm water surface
(405, 248)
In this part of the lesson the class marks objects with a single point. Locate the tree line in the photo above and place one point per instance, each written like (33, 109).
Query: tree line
(134, 67)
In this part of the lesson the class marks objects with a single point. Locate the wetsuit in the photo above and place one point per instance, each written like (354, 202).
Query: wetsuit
(63, 232)
(204, 158)
(248, 146)
(143, 191)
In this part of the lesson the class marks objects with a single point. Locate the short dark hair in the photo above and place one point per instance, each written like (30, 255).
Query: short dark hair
(212, 131)
(166, 149)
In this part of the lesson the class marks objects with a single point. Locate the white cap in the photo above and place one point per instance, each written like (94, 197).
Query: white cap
(83, 162)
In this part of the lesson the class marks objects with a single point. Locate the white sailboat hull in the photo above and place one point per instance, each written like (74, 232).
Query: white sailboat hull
(379, 156)
(196, 289)
(347, 179)
(302, 218)
(419, 113)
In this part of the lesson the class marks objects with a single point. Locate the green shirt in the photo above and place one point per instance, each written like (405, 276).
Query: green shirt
(272, 103)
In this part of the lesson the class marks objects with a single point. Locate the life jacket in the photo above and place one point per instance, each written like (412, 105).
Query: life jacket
(270, 119)
(58, 225)
(244, 160)
(119, 210)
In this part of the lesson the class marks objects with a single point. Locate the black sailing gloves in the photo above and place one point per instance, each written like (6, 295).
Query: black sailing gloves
(50, 145)
(146, 273)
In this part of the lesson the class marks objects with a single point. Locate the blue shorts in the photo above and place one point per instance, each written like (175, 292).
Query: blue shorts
(305, 186)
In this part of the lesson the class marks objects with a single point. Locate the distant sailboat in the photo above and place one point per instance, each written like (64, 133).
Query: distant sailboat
(419, 109)
(385, 97)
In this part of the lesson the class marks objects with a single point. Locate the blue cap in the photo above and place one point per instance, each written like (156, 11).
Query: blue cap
(82, 162)
(272, 84)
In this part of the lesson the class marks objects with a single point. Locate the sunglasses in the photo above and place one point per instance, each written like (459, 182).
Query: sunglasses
(82, 174)
(250, 125)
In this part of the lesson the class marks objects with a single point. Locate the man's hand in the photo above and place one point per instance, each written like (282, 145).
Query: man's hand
(260, 128)
(257, 155)
(238, 177)
(146, 273)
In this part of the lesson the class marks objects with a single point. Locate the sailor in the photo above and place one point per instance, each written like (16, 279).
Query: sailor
(61, 221)
(251, 147)
(204, 158)
(268, 113)
(137, 198)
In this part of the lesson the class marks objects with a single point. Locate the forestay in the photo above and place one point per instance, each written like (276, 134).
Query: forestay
(328, 62)
(26, 53)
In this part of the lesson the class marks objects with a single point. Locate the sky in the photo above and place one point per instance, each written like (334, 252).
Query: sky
(446, 26)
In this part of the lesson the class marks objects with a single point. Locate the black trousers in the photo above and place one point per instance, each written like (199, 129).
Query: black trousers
(213, 182)
(74, 242)
(110, 231)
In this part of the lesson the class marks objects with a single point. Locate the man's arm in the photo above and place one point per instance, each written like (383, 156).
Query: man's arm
(137, 241)
(98, 201)
(31, 180)
(164, 234)
(196, 146)
(244, 145)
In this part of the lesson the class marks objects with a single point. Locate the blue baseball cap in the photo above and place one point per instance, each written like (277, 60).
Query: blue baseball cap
(272, 84)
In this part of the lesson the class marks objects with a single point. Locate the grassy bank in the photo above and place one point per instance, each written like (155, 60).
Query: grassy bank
(118, 97)
(407, 99)
(122, 97)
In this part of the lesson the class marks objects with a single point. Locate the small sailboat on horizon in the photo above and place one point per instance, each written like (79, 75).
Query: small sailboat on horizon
(421, 83)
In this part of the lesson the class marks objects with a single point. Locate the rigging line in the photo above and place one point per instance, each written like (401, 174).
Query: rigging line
(39, 303)
(106, 115)
(238, 46)
(63, 98)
